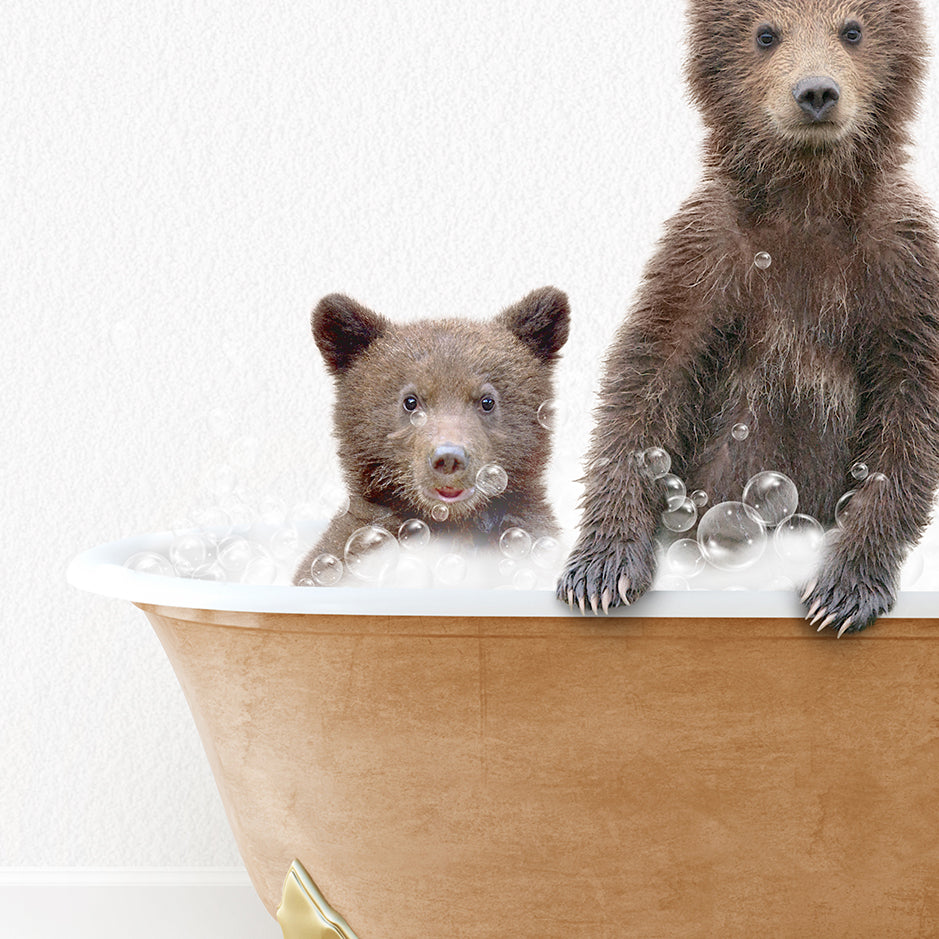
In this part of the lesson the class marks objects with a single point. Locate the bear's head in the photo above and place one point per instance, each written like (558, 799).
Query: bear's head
(422, 407)
(796, 78)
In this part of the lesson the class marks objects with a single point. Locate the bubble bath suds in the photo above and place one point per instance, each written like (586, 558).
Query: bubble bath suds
(760, 542)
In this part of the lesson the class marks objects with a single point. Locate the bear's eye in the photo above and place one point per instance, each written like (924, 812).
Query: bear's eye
(487, 402)
(766, 37)
(851, 33)
(410, 402)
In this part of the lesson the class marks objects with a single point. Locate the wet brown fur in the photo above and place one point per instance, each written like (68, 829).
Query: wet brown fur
(831, 356)
(449, 365)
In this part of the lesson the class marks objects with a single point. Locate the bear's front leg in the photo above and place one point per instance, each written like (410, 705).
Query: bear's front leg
(645, 406)
(613, 561)
(899, 440)
(649, 398)
(858, 577)
(660, 362)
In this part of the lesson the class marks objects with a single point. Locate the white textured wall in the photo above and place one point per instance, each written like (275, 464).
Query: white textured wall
(180, 183)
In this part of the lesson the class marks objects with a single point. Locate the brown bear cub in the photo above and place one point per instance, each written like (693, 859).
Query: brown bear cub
(422, 408)
(796, 292)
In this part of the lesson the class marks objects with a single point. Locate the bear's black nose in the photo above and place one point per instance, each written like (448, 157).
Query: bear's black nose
(817, 96)
(448, 459)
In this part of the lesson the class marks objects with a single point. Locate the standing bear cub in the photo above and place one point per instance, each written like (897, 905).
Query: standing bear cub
(438, 421)
(796, 292)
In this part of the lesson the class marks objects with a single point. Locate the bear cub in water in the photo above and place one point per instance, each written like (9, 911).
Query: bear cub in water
(438, 420)
(797, 293)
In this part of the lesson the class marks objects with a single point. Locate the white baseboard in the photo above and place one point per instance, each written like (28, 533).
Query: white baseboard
(146, 903)
(124, 876)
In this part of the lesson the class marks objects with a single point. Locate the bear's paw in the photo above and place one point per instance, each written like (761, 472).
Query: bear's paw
(847, 599)
(607, 572)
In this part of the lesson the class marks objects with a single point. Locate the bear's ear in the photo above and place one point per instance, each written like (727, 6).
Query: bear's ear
(541, 320)
(343, 330)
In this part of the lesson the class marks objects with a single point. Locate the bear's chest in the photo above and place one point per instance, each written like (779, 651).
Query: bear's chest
(788, 367)
(789, 376)
(796, 320)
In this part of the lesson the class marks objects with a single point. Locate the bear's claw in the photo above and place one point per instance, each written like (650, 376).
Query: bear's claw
(607, 575)
(622, 588)
(828, 621)
(842, 600)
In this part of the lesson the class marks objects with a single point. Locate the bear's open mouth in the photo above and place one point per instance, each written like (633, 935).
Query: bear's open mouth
(452, 494)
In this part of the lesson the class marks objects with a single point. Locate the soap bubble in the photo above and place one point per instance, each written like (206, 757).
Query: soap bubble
(241, 514)
(413, 534)
(181, 526)
(234, 554)
(546, 552)
(912, 569)
(331, 500)
(413, 573)
(700, 498)
(547, 414)
(876, 479)
(440, 513)
(681, 518)
(762, 260)
(780, 583)
(843, 508)
(506, 567)
(740, 432)
(326, 570)
(214, 522)
(492, 479)
(261, 569)
(672, 582)
(371, 553)
(524, 579)
(731, 536)
(930, 561)
(860, 471)
(451, 570)
(655, 462)
(150, 562)
(515, 543)
(772, 496)
(797, 537)
(188, 551)
(303, 515)
(673, 489)
(419, 418)
(212, 571)
(285, 543)
(684, 557)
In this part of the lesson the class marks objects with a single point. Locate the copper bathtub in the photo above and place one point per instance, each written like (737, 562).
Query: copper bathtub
(448, 764)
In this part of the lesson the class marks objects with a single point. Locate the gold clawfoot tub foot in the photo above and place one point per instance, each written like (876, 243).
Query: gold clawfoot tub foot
(304, 913)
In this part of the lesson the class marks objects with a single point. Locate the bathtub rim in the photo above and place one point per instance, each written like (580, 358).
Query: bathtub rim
(100, 570)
